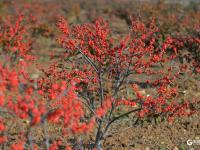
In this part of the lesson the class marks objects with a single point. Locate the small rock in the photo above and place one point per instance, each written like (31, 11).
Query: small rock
(147, 148)
(176, 148)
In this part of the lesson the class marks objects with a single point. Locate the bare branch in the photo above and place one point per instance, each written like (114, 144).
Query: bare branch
(89, 60)
(118, 117)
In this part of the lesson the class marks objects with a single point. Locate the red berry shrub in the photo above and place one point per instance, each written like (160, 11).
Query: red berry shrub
(191, 45)
(24, 98)
(105, 67)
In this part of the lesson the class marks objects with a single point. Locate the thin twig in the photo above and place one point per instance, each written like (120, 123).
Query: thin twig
(89, 60)
(118, 117)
